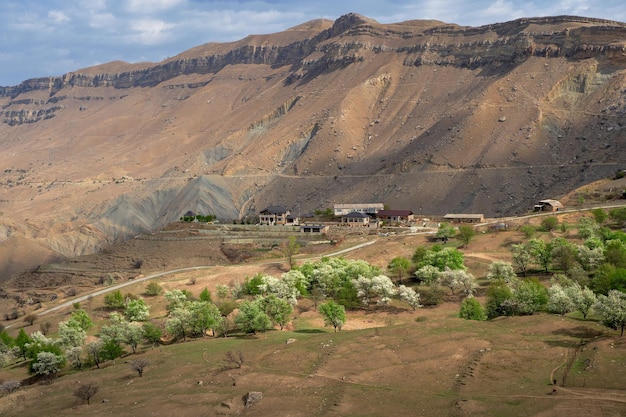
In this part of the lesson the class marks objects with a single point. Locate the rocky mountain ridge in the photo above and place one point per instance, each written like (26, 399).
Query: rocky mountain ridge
(423, 115)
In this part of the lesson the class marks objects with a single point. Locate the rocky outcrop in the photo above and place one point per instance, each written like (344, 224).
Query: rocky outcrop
(342, 45)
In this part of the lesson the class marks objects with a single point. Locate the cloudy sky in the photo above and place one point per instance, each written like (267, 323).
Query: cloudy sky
(41, 38)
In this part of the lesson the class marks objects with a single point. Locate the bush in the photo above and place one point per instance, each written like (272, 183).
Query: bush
(30, 319)
(431, 295)
(153, 289)
(497, 294)
(471, 309)
(9, 387)
(528, 230)
(549, 223)
(226, 307)
(114, 300)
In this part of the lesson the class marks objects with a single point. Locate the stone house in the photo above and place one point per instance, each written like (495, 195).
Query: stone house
(355, 219)
(395, 216)
(274, 215)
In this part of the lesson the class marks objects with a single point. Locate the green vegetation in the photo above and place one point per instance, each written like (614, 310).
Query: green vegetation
(580, 274)
(199, 218)
(471, 309)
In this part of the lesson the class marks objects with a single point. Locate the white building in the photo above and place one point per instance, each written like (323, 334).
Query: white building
(367, 208)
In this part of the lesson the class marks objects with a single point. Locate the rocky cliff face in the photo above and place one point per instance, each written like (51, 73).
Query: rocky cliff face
(422, 115)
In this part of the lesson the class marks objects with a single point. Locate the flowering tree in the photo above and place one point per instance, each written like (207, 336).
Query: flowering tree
(582, 298)
(612, 308)
(137, 310)
(559, 301)
(428, 274)
(48, 364)
(409, 296)
(501, 271)
(457, 279)
(379, 286)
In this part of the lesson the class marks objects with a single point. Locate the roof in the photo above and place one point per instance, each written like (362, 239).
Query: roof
(356, 215)
(553, 203)
(403, 213)
(359, 205)
(464, 216)
(275, 210)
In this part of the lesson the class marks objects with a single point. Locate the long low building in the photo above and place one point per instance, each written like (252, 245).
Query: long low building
(464, 218)
(367, 208)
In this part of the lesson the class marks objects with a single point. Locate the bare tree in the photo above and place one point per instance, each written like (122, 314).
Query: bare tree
(30, 319)
(45, 327)
(138, 365)
(234, 358)
(86, 391)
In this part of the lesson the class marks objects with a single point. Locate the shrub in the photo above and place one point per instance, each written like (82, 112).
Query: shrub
(528, 230)
(153, 289)
(30, 319)
(431, 295)
(497, 294)
(9, 387)
(114, 300)
(549, 223)
(471, 309)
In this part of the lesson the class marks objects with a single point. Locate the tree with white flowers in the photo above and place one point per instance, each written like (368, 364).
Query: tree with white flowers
(48, 364)
(427, 274)
(458, 279)
(137, 310)
(409, 296)
(582, 298)
(612, 308)
(501, 271)
(559, 300)
(71, 334)
(379, 287)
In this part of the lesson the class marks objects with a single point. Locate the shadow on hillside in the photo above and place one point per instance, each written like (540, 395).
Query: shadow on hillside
(576, 336)
(309, 331)
(579, 332)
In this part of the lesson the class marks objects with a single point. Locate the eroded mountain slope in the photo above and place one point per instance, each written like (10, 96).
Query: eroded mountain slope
(421, 115)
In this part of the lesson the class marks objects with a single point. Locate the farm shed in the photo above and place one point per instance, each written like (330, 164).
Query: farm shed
(464, 218)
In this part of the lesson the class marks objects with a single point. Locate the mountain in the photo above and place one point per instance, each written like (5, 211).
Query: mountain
(421, 115)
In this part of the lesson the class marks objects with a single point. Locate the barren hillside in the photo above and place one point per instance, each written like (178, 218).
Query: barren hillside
(422, 115)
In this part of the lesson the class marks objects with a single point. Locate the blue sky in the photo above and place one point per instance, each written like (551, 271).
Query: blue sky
(40, 38)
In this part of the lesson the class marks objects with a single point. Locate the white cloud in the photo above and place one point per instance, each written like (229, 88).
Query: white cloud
(149, 31)
(151, 6)
(101, 20)
(58, 16)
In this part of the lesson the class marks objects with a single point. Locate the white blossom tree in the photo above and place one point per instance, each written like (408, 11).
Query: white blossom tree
(48, 364)
(501, 271)
(409, 296)
(71, 335)
(281, 288)
(559, 300)
(428, 274)
(379, 286)
(137, 310)
(590, 258)
(612, 308)
(522, 257)
(582, 298)
(458, 279)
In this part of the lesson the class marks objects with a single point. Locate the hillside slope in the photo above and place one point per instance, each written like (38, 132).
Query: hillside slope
(422, 115)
